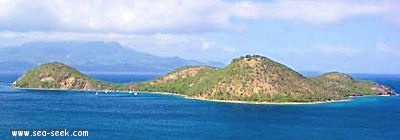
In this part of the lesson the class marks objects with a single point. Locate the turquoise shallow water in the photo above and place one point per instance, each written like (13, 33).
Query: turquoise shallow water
(153, 116)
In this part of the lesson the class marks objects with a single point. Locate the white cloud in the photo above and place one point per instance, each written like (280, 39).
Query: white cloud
(157, 16)
(4, 7)
(176, 16)
(335, 50)
(384, 48)
(186, 46)
(324, 11)
(176, 27)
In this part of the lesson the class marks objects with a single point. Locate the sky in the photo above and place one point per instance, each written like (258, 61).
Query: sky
(352, 36)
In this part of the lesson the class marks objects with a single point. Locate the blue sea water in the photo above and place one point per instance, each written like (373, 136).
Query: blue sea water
(154, 116)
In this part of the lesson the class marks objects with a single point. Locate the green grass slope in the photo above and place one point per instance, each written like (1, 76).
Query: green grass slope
(60, 76)
(249, 78)
(257, 78)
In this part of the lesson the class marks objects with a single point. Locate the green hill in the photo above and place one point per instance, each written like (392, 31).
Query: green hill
(250, 78)
(257, 78)
(60, 76)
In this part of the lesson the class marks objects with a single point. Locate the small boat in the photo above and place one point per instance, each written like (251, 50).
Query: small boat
(96, 93)
(135, 93)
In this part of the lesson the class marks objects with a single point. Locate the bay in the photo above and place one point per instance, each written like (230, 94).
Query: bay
(155, 116)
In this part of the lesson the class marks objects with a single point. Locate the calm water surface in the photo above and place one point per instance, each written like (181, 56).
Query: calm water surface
(153, 116)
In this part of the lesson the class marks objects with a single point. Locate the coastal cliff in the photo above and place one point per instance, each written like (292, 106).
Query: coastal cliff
(249, 78)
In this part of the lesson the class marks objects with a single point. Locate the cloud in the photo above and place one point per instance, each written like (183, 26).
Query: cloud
(186, 46)
(335, 50)
(177, 16)
(126, 16)
(22, 16)
(384, 48)
(324, 11)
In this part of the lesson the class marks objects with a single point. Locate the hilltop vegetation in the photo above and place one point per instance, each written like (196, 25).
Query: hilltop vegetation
(248, 78)
(60, 76)
(257, 78)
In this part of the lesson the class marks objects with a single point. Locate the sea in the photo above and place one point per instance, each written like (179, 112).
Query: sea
(116, 116)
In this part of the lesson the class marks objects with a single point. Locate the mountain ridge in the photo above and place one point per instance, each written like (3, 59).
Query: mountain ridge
(104, 56)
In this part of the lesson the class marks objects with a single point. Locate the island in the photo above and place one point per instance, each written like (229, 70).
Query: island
(248, 79)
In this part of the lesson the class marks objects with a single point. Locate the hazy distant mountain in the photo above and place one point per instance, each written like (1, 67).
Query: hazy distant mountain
(88, 56)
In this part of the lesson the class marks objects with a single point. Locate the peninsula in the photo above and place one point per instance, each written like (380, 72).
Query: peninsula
(250, 78)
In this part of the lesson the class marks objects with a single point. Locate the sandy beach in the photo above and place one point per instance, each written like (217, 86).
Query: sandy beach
(271, 103)
(194, 98)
